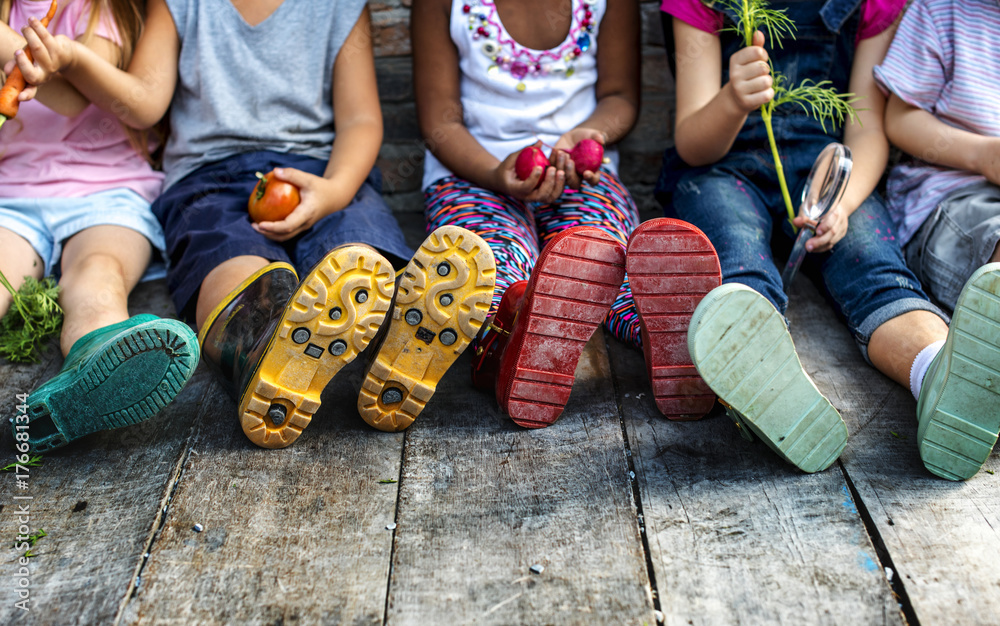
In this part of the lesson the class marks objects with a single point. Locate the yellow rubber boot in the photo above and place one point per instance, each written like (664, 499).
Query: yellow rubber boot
(441, 303)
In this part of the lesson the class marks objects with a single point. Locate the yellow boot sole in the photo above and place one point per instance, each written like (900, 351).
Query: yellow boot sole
(328, 321)
(441, 303)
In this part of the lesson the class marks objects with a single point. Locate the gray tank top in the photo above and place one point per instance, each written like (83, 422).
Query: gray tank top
(243, 89)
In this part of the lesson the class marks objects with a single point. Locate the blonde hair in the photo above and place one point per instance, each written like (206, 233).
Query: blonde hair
(128, 17)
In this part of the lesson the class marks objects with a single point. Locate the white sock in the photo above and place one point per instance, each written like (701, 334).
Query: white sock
(919, 368)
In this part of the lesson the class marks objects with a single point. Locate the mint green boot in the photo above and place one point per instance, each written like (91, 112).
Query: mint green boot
(741, 347)
(114, 376)
(959, 406)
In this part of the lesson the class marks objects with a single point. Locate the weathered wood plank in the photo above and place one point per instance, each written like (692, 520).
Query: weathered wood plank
(735, 534)
(98, 499)
(483, 500)
(297, 534)
(943, 538)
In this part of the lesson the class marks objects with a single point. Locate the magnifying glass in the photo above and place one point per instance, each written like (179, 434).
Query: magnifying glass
(824, 189)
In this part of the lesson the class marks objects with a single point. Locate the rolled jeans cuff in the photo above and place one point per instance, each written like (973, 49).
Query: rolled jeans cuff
(863, 334)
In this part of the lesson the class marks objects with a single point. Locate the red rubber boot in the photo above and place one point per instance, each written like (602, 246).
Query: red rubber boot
(671, 266)
(570, 292)
(493, 338)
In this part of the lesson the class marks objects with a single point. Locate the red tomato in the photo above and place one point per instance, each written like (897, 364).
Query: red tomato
(272, 199)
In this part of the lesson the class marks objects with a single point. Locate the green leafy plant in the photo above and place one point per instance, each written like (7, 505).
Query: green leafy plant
(34, 461)
(34, 317)
(819, 100)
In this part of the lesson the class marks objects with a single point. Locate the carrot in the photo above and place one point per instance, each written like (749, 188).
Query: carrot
(15, 83)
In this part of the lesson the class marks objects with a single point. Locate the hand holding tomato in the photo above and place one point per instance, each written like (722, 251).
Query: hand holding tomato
(319, 197)
(272, 200)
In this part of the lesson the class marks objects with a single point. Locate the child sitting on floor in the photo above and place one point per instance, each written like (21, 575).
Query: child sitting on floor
(492, 79)
(261, 87)
(75, 198)
(723, 180)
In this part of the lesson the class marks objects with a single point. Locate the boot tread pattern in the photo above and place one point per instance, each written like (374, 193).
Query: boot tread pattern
(749, 360)
(963, 425)
(355, 283)
(671, 266)
(446, 289)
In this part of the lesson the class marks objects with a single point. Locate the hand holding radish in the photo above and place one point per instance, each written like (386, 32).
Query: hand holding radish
(544, 184)
(583, 149)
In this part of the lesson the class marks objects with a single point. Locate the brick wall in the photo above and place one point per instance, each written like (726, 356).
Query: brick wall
(401, 157)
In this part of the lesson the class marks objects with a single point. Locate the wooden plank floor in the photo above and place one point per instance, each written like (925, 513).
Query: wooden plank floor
(631, 518)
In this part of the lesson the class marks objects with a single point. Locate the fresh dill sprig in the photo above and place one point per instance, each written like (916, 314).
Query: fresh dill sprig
(819, 100)
(754, 15)
(34, 317)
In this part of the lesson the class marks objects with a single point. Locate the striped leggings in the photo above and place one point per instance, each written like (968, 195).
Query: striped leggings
(516, 231)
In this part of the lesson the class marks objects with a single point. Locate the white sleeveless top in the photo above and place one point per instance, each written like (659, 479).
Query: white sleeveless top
(512, 95)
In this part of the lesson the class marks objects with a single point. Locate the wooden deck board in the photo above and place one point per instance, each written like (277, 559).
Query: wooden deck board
(294, 535)
(942, 537)
(736, 534)
(483, 500)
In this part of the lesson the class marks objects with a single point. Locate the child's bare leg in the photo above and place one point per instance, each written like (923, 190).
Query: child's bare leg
(100, 265)
(17, 260)
(996, 255)
(895, 344)
(221, 281)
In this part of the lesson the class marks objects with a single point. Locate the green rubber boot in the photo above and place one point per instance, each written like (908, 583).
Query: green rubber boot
(957, 411)
(741, 347)
(115, 376)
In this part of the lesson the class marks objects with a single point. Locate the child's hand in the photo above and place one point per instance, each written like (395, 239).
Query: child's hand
(553, 181)
(750, 80)
(831, 229)
(566, 143)
(314, 194)
(28, 92)
(51, 53)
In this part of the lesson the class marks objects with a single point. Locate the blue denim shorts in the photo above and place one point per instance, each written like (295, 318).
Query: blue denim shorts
(957, 239)
(46, 223)
(205, 222)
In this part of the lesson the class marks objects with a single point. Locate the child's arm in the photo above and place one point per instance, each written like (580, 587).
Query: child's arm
(58, 94)
(140, 96)
(710, 114)
(436, 82)
(617, 88)
(923, 135)
(355, 147)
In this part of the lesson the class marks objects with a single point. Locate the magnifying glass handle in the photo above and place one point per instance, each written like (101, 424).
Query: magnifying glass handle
(795, 258)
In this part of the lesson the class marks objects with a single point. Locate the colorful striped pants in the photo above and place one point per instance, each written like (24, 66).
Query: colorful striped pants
(516, 230)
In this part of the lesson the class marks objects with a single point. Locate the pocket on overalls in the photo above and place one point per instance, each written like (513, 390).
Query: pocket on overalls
(947, 258)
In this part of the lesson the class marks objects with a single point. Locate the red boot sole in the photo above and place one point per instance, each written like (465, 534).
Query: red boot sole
(576, 279)
(671, 266)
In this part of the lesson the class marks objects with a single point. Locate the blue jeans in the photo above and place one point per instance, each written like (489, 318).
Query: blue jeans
(865, 274)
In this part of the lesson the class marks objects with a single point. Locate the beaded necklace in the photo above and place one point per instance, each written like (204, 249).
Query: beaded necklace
(520, 62)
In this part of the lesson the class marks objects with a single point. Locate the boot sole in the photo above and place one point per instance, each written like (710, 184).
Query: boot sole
(328, 321)
(958, 431)
(441, 303)
(671, 265)
(577, 278)
(129, 381)
(742, 349)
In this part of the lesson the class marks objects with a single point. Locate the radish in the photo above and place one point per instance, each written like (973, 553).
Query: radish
(587, 156)
(528, 159)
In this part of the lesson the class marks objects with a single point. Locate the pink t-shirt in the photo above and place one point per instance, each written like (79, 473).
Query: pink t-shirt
(876, 15)
(47, 155)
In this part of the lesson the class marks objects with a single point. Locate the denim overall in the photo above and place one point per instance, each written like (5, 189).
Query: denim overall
(737, 201)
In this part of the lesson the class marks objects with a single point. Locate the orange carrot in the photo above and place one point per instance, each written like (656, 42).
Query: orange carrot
(15, 82)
